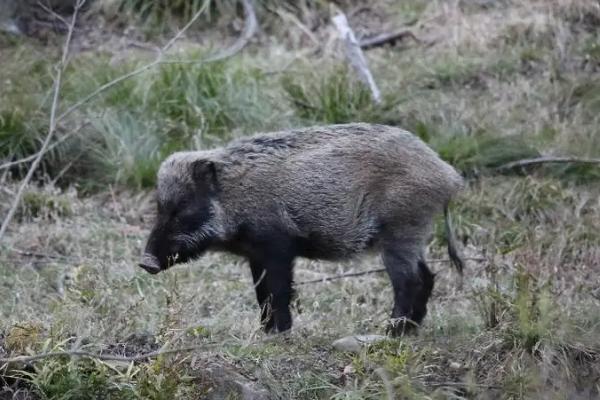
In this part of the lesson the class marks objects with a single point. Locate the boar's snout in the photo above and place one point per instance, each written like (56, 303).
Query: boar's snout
(150, 263)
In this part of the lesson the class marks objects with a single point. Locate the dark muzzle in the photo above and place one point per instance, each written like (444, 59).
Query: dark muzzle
(150, 263)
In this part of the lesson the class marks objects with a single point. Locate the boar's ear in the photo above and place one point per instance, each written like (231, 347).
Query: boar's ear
(205, 172)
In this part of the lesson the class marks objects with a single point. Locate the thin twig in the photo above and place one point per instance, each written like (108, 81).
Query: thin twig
(52, 127)
(374, 271)
(464, 384)
(43, 255)
(103, 357)
(385, 38)
(341, 276)
(546, 160)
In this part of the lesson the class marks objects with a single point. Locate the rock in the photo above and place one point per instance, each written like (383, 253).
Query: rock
(353, 344)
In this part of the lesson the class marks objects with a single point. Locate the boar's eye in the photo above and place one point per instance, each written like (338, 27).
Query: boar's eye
(168, 208)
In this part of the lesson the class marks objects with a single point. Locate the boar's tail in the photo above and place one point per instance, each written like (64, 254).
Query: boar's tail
(453, 251)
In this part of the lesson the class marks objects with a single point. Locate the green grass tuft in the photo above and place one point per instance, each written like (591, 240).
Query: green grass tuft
(127, 150)
(335, 98)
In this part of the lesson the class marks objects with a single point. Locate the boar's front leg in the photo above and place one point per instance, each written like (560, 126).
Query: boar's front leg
(271, 267)
(262, 295)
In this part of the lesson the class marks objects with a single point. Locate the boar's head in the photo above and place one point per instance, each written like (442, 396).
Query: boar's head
(186, 222)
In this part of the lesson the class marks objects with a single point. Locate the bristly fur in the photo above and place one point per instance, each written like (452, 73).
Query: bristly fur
(328, 192)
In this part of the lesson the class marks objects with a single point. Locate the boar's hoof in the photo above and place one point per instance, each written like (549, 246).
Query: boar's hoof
(401, 327)
(150, 264)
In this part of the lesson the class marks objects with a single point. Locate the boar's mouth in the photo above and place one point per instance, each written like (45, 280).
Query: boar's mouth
(150, 263)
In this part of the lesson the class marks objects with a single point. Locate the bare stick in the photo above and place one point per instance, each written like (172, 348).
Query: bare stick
(355, 55)
(103, 357)
(341, 276)
(385, 38)
(547, 160)
(374, 271)
(465, 384)
(52, 127)
(42, 255)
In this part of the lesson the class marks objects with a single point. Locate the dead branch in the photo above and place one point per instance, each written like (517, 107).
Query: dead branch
(547, 160)
(464, 384)
(53, 121)
(387, 38)
(95, 356)
(375, 271)
(355, 55)
(43, 255)
(341, 276)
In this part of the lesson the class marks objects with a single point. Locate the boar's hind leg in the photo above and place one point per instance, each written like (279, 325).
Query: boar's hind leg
(426, 279)
(274, 290)
(412, 282)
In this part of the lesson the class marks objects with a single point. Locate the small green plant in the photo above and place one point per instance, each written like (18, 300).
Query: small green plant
(534, 311)
(17, 137)
(47, 204)
(205, 101)
(335, 98)
(475, 154)
(535, 199)
(79, 380)
(161, 380)
(175, 107)
(457, 72)
(128, 151)
(525, 315)
(89, 72)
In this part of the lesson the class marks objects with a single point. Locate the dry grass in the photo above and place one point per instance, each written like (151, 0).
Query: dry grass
(501, 79)
(526, 316)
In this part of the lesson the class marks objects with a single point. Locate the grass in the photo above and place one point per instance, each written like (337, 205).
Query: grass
(513, 80)
(520, 311)
(336, 97)
(132, 128)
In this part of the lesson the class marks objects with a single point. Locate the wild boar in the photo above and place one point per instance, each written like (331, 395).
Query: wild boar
(328, 192)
